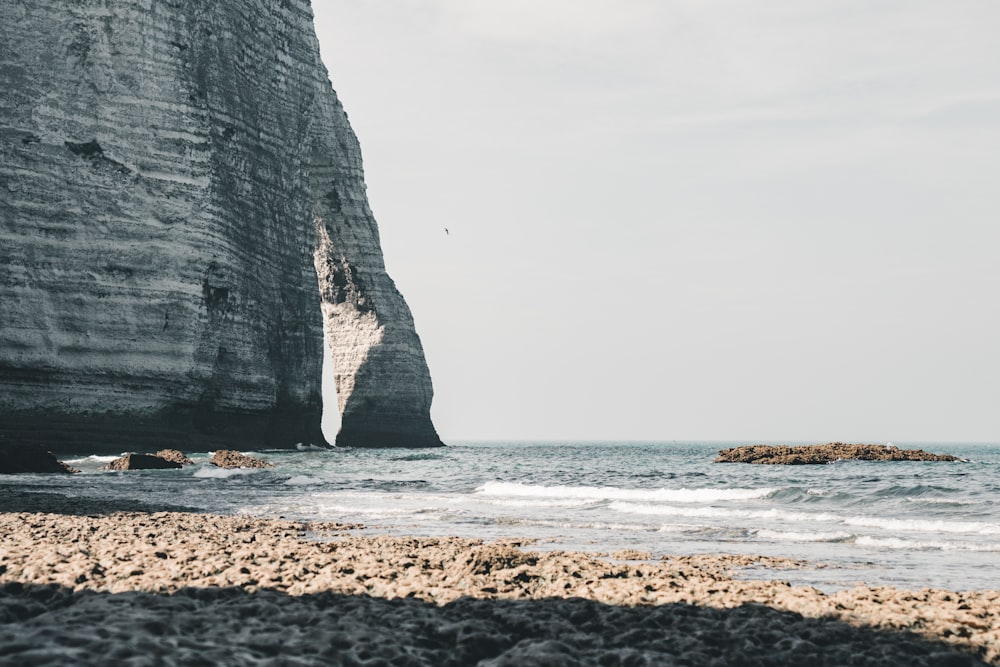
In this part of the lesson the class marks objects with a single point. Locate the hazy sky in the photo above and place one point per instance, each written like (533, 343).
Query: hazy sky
(688, 219)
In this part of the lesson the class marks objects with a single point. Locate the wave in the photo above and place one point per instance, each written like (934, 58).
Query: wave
(335, 512)
(914, 491)
(538, 502)
(801, 494)
(418, 457)
(93, 458)
(369, 511)
(304, 480)
(303, 447)
(943, 501)
(594, 493)
(588, 525)
(792, 536)
(897, 543)
(299, 447)
(924, 526)
(224, 473)
(719, 512)
(356, 498)
(900, 525)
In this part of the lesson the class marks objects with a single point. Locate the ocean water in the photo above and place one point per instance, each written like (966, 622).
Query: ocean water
(904, 524)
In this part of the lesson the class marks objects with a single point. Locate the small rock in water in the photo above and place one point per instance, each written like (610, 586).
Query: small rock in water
(141, 462)
(228, 458)
(815, 454)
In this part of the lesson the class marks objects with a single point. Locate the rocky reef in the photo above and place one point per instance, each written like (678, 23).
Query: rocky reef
(828, 453)
(228, 458)
(182, 212)
(141, 462)
(174, 456)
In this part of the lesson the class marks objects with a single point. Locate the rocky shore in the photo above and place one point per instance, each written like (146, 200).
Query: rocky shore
(828, 453)
(183, 588)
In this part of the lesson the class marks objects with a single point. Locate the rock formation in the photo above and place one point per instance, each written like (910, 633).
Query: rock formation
(141, 462)
(228, 458)
(21, 459)
(815, 454)
(174, 176)
(175, 456)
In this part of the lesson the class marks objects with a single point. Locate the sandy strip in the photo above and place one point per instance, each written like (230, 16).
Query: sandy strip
(181, 588)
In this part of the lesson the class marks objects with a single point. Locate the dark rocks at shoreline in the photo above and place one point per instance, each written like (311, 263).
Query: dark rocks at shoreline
(228, 458)
(141, 462)
(28, 459)
(828, 453)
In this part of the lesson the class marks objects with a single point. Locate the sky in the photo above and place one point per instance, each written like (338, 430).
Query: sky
(688, 219)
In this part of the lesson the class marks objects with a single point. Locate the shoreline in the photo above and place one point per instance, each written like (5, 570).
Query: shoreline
(96, 557)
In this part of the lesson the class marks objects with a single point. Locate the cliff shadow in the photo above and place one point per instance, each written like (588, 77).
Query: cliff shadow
(43, 625)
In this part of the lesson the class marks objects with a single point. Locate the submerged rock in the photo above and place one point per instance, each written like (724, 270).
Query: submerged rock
(815, 454)
(27, 458)
(183, 209)
(227, 458)
(141, 462)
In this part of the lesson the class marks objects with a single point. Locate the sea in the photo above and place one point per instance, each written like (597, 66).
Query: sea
(904, 524)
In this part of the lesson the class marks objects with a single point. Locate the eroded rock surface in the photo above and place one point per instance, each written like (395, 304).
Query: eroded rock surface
(228, 458)
(815, 454)
(383, 384)
(175, 456)
(173, 176)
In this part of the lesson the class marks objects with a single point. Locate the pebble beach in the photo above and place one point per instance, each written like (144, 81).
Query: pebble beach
(184, 588)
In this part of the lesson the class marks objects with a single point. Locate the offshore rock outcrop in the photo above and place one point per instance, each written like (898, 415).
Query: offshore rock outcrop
(828, 453)
(227, 458)
(174, 177)
(174, 456)
(141, 462)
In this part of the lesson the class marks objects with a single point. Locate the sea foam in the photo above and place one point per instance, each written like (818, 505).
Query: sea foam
(720, 512)
(537, 502)
(211, 472)
(597, 493)
(803, 536)
(924, 526)
(92, 459)
(897, 543)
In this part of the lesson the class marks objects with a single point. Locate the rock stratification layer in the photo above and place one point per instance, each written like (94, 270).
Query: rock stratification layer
(173, 177)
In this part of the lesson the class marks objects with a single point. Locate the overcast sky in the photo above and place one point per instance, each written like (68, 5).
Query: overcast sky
(688, 219)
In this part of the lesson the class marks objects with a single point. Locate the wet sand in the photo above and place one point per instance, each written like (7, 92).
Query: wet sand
(185, 588)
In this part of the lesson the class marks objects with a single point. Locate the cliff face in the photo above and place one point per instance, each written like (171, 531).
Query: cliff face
(174, 175)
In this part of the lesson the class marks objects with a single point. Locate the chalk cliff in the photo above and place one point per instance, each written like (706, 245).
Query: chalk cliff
(174, 177)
